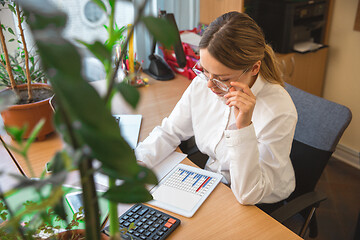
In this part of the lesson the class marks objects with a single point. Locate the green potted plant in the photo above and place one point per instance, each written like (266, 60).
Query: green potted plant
(83, 117)
(22, 75)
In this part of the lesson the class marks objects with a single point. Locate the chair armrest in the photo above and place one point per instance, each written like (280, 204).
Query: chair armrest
(189, 146)
(311, 199)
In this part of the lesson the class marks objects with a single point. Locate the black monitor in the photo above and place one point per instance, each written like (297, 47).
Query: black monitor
(158, 68)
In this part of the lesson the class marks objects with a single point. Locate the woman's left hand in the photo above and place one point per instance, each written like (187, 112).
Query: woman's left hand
(243, 100)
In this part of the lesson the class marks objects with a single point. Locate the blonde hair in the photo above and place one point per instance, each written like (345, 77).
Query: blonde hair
(235, 40)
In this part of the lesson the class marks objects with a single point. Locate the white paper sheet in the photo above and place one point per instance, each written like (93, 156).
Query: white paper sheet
(165, 166)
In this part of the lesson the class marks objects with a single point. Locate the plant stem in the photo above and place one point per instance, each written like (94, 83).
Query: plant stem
(113, 212)
(91, 207)
(28, 77)
(110, 33)
(32, 173)
(7, 60)
(112, 80)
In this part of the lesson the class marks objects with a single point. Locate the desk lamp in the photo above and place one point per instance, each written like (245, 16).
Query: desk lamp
(158, 68)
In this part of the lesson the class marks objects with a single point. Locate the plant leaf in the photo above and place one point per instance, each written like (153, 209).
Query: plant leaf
(129, 93)
(100, 4)
(60, 209)
(162, 30)
(10, 30)
(16, 133)
(112, 4)
(42, 15)
(146, 176)
(12, 9)
(99, 50)
(33, 134)
(128, 193)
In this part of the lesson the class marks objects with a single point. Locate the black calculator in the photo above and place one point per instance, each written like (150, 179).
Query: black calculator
(148, 223)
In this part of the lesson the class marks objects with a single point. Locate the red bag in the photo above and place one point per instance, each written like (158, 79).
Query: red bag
(191, 59)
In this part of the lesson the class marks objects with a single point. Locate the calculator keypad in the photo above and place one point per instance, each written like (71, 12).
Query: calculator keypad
(149, 223)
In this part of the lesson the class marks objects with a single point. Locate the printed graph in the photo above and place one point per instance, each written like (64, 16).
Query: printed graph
(190, 181)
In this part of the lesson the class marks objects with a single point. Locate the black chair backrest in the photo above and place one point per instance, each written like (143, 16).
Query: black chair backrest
(320, 126)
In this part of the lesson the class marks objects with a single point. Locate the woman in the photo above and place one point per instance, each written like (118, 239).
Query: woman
(238, 111)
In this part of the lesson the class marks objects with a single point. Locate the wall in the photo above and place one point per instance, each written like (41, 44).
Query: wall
(342, 79)
(6, 19)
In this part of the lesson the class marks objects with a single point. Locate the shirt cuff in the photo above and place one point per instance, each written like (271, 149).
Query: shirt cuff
(240, 136)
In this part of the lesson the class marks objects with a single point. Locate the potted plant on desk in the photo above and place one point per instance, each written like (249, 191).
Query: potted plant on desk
(83, 117)
(24, 77)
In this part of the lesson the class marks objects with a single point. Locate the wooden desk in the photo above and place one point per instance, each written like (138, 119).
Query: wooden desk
(221, 216)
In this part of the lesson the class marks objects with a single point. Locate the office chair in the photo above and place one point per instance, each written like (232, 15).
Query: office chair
(320, 126)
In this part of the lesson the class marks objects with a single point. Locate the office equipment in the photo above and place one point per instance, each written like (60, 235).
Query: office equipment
(147, 222)
(287, 22)
(320, 125)
(158, 68)
(184, 189)
(129, 127)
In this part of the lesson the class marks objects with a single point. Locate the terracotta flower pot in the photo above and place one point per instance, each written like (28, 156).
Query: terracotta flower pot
(30, 114)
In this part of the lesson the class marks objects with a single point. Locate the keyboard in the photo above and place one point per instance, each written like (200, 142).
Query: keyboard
(148, 223)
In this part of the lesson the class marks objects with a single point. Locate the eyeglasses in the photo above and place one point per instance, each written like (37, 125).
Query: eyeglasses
(198, 70)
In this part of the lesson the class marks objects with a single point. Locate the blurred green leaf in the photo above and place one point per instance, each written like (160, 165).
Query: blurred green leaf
(146, 176)
(10, 30)
(51, 50)
(128, 193)
(99, 50)
(46, 16)
(12, 9)
(162, 30)
(100, 4)
(61, 161)
(11, 40)
(112, 3)
(59, 208)
(54, 180)
(36, 207)
(129, 93)
(33, 134)
(16, 133)
(116, 37)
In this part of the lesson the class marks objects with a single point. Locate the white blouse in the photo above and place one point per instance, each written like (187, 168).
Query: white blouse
(254, 160)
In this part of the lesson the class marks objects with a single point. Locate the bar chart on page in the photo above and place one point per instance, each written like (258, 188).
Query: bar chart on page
(190, 181)
(184, 189)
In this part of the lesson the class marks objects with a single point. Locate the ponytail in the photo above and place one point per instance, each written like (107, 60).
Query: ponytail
(269, 69)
